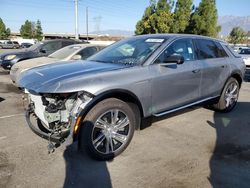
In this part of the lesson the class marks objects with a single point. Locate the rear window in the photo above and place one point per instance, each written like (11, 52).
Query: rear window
(67, 43)
(206, 49)
(220, 50)
(229, 48)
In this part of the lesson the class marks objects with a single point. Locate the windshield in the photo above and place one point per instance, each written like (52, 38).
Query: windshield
(245, 51)
(132, 51)
(65, 52)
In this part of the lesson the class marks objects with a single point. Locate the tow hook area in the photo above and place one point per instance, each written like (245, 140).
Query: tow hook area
(55, 138)
(51, 146)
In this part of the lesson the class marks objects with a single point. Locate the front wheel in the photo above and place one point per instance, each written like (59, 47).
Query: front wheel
(229, 96)
(107, 129)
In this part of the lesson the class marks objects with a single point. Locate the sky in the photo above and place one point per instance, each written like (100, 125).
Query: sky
(58, 15)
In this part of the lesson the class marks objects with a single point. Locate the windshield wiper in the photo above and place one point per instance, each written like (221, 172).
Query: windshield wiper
(99, 61)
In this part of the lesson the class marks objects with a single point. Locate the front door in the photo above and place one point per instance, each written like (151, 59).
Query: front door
(175, 85)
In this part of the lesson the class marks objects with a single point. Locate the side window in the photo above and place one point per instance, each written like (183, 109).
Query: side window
(206, 49)
(52, 46)
(220, 50)
(87, 52)
(66, 43)
(183, 47)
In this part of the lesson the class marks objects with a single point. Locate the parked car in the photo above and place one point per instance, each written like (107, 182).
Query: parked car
(26, 45)
(16, 44)
(45, 48)
(72, 52)
(8, 44)
(101, 101)
(245, 54)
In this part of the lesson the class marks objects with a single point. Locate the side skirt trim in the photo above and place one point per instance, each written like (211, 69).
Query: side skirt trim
(185, 106)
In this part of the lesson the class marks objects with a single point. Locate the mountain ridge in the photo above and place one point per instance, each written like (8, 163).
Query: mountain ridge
(227, 23)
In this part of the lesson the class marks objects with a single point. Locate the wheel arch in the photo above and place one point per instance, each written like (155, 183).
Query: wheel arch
(238, 77)
(123, 95)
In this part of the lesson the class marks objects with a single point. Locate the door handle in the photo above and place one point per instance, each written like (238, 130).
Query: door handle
(223, 66)
(196, 70)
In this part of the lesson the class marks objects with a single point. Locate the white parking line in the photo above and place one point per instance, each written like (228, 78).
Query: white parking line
(3, 137)
(9, 116)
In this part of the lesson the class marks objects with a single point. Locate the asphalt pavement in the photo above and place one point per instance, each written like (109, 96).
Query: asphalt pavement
(196, 147)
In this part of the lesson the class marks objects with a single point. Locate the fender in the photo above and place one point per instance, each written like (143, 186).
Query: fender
(117, 93)
(122, 94)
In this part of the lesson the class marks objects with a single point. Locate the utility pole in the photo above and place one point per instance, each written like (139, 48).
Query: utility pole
(76, 20)
(87, 24)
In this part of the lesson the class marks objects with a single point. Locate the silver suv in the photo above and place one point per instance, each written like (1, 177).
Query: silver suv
(101, 101)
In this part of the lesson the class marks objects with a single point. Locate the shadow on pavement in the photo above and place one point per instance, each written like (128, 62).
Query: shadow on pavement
(230, 162)
(2, 72)
(9, 88)
(1, 99)
(82, 171)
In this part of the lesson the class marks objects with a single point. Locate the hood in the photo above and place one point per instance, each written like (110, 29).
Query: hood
(16, 52)
(52, 77)
(35, 62)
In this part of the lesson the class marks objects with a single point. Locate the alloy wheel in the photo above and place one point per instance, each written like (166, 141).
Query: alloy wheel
(231, 94)
(111, 131)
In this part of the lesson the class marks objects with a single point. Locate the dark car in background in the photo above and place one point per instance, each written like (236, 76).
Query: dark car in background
(44, 48)
(101, 101)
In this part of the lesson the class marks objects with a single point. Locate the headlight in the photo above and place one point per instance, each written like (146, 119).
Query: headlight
(9, 57)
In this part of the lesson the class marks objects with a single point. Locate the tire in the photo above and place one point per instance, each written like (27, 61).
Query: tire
(102, 137)
(229, 96)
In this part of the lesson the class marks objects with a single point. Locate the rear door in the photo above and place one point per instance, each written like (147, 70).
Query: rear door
(214, 65)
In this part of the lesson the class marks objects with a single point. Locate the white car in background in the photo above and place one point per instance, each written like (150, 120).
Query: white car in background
(72, 52)
(245, 54)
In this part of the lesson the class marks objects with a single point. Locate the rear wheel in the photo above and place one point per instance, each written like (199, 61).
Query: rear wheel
(107, 129)
(229, 96)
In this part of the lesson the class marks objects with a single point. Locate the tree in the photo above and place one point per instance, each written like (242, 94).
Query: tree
(181, 17)
(237, 35)
(163, 17)
(157, 18)
(145, 26)
(4, 32)
(31, 30)
(27, 30)
(204, 19)
(39, 31)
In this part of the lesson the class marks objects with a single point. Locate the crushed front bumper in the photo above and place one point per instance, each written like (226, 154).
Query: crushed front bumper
(65, 137)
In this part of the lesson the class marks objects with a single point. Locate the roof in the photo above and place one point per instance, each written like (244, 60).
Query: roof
(174, 35)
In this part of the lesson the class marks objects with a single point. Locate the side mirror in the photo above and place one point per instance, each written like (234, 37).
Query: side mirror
(76, 57)
(42, 51)
(178, 59)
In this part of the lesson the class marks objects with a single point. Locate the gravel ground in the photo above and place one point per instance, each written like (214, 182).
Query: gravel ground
(192, 148)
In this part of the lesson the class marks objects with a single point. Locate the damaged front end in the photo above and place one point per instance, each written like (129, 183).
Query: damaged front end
(56, 117)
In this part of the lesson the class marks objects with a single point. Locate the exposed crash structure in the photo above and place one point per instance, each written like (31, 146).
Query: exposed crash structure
(56, 115)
